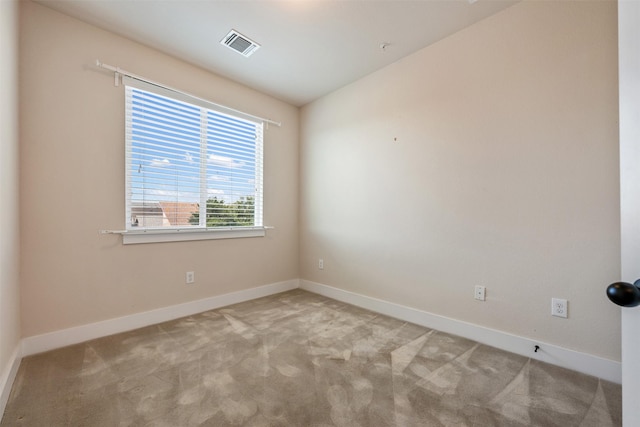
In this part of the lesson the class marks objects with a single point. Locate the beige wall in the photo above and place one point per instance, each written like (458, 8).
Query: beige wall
(487, 158)
(9, 246)
(72, 184)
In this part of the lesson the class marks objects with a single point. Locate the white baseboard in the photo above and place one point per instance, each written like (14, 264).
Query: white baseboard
(7, 378)
(62, 338)
(582, 362)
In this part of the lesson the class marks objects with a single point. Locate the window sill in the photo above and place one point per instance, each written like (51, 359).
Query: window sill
(132, 237)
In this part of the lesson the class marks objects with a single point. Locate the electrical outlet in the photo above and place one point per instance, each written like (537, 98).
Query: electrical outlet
(320, 264)
(191, 277)
(479, 293)
(559, 307)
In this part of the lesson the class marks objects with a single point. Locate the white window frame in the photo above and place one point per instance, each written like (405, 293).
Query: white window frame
(134, 235)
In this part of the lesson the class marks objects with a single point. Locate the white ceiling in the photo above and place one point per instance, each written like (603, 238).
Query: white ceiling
(309, 47)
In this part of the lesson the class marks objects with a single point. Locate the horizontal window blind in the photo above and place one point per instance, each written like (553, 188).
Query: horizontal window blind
(189, 165)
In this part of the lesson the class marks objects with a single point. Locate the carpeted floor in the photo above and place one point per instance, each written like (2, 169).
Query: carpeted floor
(299, 359)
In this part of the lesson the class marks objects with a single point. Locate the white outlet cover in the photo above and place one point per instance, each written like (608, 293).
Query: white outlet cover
(479, 293)
(559, 307)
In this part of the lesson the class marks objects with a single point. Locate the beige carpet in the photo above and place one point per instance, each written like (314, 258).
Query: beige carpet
(299, 359)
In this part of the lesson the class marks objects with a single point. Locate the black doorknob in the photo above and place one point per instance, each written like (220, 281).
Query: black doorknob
(624, 294)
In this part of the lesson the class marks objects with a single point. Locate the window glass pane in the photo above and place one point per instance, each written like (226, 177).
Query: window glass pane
(231, 151)
(184, 160)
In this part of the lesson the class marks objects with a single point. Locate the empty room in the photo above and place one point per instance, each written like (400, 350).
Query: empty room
(319, 213)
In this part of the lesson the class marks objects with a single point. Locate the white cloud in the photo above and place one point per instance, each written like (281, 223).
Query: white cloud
(188, 157)
(219, 178)
(224, 161)
(160, 163)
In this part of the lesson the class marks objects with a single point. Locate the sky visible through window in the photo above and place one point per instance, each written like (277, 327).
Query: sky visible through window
(169, 162)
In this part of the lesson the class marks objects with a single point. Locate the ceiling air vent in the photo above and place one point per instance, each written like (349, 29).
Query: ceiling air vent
(241, 44)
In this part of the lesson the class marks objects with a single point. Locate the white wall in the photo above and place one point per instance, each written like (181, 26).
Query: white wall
(487, 158)
(72, 184)
(9, 246)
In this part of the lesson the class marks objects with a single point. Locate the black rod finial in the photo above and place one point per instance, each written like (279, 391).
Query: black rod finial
(624, 294)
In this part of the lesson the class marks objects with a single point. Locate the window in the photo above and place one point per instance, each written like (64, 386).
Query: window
(192, 169)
